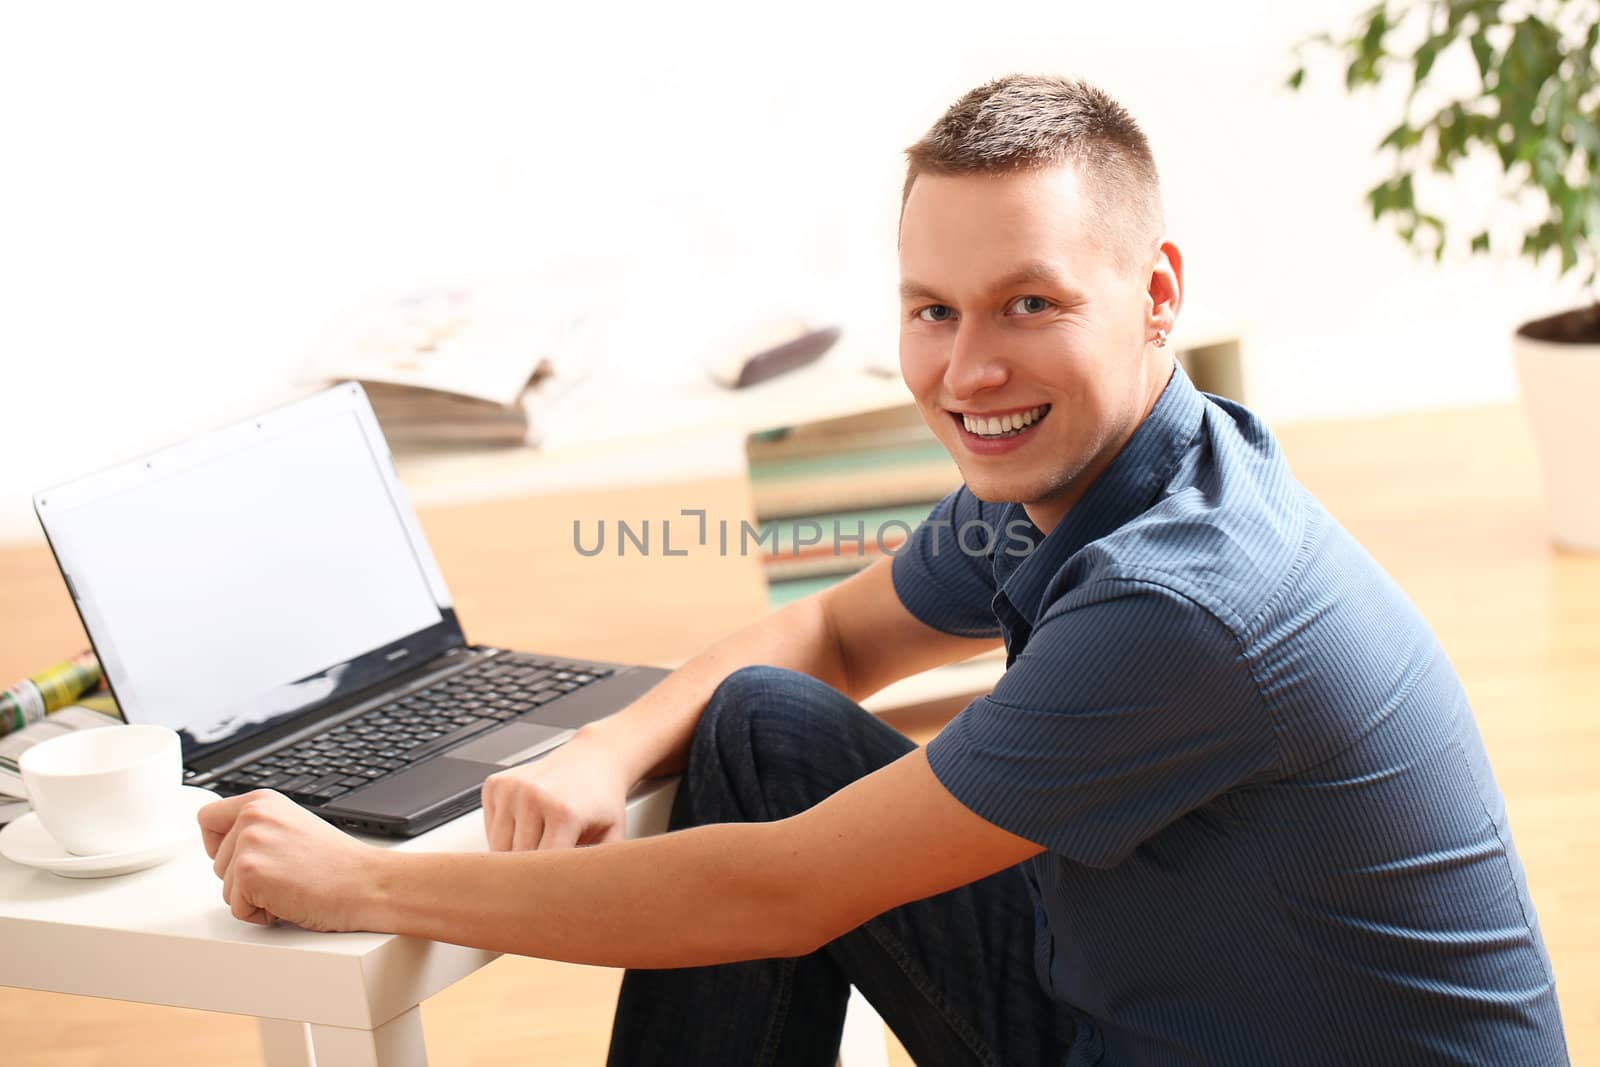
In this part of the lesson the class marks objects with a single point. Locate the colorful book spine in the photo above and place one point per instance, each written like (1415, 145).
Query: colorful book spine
(33, 698)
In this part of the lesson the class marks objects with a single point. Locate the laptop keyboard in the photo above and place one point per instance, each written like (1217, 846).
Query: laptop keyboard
(393, 736)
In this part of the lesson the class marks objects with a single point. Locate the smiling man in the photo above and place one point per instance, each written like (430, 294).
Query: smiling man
(1227, 805)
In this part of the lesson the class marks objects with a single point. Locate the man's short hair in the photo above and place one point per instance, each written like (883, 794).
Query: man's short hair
(1032, 122)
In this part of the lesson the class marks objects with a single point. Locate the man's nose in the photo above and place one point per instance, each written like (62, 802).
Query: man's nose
(975, 364)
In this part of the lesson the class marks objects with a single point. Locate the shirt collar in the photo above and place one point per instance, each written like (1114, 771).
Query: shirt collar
(1122, 491)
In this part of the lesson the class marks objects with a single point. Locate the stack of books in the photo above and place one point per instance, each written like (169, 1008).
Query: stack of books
(833, 496)
(460, 364)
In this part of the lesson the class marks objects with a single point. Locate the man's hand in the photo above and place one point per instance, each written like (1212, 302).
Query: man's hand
(576, 795)
(277, 861)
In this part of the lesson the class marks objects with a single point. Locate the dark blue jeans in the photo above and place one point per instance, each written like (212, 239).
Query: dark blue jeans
(952, 975)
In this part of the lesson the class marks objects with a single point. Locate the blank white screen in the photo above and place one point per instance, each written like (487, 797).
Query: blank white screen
(210, 589)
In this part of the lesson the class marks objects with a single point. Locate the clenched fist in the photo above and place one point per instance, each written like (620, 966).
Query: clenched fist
(577, 795)
(278, 862)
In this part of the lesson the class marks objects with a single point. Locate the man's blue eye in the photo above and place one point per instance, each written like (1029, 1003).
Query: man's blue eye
(934, 313)
(1030, 305)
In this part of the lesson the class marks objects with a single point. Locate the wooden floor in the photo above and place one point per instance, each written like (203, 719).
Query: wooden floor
(1448, 503)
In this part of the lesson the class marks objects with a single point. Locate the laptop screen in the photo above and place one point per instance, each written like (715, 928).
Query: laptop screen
(250, 574)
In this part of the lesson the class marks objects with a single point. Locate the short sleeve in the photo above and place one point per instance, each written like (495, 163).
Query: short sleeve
(1130, 707)
(941, 577)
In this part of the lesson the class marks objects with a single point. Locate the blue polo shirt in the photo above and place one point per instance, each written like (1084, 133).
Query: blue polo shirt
(1271, 831)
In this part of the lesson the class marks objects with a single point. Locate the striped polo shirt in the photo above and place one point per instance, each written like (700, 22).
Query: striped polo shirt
(1272, 835)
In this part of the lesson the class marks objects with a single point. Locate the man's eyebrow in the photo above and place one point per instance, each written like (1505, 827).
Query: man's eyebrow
(1038, 274)
(1029, 273)
(910, 290)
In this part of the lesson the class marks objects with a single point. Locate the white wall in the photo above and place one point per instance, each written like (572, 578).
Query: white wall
(189, 192)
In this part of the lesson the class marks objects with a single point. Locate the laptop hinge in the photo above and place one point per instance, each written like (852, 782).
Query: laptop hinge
(215, 764)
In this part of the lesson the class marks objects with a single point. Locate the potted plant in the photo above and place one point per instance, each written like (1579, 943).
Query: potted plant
(1535, 108)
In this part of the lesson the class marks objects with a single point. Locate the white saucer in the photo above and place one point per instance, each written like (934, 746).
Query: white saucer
(26, 842)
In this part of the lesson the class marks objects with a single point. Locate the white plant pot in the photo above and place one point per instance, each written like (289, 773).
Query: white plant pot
(1559, 385)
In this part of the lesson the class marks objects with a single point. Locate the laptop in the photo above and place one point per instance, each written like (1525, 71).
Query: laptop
(266, 591)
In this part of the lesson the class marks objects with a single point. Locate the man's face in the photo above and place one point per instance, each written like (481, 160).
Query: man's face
(1023, 341)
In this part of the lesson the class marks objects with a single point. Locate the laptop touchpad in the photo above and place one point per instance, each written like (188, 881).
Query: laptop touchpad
(516, 742)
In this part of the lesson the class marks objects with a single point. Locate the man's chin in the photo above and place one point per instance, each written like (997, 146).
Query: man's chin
(998, 491)
(1030, 494)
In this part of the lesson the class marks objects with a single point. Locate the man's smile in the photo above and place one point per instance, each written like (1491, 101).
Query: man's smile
(989, 432)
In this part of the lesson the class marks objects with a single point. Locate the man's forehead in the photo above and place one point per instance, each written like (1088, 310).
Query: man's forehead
(1027, 226)
(1056, 193)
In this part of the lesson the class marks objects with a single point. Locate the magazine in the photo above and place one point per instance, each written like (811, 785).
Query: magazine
(13, 797)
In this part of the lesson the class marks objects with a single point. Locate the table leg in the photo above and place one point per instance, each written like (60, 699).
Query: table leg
(285, 1044)
(397, 1043)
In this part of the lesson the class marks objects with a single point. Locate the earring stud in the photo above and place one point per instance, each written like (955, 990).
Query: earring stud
(1161, 339)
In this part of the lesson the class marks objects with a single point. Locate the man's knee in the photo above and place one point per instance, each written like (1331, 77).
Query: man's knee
(766, 736)
(756, 707)
(752, 686)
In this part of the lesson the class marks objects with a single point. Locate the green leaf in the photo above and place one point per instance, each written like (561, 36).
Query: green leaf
(1478, 127)
(1539, 241)
(1480, 241)
(1527, 143)
(1525, 44)
(1452, 128)
(1435, 224)
(1297, 78)
(1378, 197)
(1367, 50)
(1555, 107)
(1507, 148)
(1580, 211)
(1586, 134)
(1483, 54)
(1372, 40)
(1535, 47)
(1425, 58)
(1401, 137)
(1548, 162)
(1361, 71)
(1476, 11)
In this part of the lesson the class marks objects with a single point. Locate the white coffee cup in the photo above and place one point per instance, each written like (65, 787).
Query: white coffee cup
(109, 789)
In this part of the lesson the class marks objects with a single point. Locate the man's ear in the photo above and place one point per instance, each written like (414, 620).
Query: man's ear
(1165, 288)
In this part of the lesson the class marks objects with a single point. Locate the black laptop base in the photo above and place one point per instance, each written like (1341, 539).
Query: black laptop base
(419, 758)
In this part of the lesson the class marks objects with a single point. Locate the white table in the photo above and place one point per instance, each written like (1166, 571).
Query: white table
(164, 936)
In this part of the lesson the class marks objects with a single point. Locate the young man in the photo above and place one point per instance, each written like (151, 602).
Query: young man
(1227, 805)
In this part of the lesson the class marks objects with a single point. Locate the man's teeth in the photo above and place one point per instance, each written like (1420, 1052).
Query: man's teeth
(999, 425)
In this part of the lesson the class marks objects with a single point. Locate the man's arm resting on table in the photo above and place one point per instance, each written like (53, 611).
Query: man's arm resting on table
(707, 895)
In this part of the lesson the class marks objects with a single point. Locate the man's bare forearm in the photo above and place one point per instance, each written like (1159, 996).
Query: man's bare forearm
(714, 894)
(652, 734)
